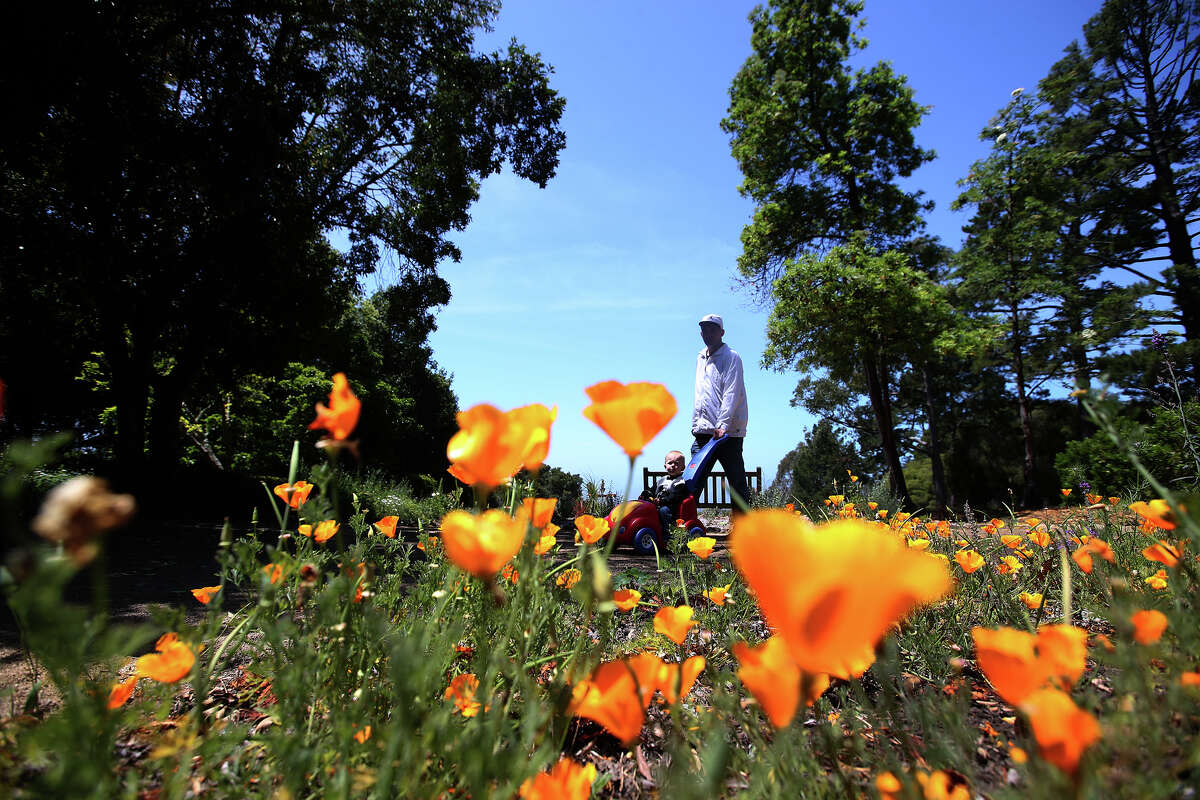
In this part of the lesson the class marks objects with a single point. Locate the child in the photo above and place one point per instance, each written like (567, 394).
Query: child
(670, 491)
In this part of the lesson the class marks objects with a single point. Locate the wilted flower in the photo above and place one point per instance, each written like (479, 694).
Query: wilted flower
(674, 623)
(816, 588)
(631, 414)
(205, 593)
(568, 578)
(171, 662)
(77, 511)
(566, 780)
(340, 417)
(493, 445)
(1148, 626)
(702, 546)
(591, 529)
(481, 545)
(626, 599)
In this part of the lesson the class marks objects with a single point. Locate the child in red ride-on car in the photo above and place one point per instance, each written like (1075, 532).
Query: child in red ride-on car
(669, 491)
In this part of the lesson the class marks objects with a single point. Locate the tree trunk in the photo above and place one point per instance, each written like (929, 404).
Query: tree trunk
(1029, 492)
(165, 434)
(940, 491)
(887, 436)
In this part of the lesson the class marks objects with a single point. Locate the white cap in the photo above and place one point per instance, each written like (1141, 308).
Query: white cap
(715, 319)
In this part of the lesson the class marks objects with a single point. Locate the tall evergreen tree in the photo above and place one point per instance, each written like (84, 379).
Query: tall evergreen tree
(821, 149)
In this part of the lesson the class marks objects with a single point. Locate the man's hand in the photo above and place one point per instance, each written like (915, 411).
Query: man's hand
(718, 433)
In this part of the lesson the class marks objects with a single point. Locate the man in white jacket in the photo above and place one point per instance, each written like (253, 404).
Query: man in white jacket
(720, 407)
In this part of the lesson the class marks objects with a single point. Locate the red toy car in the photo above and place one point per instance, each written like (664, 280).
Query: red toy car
(642, 527)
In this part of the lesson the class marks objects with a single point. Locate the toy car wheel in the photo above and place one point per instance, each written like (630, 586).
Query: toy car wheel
(644, 541)
(695, 531)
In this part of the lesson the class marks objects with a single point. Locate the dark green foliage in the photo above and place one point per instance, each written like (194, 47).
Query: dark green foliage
(1163, 443)
(818, 465)
(168, 177)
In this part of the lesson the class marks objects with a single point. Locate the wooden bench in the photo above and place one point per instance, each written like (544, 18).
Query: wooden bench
(715, 493)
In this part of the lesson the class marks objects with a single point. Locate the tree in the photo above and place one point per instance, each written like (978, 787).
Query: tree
(817, 465)
(1133, 82)
(169, 178)
(821, 149)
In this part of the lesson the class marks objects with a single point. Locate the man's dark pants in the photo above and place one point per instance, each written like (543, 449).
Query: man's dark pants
(729, 456)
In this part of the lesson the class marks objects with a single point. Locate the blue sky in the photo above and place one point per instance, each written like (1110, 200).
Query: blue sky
(605, 273)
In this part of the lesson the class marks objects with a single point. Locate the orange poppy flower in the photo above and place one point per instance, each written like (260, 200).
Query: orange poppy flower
(872, 505)
(1158, 580)
(481, 545)
(672, 676)
(591, 529)
(492, 445)
(1189, 679)
(295, 494)
(1012, 540)
(882, 513)
(544, 543)
(674, 622)
(122, 691)
(702, 546)
(1009, 565)
(462, 691)
(1104, 642)
(1148, 626)
(387, 526)
(1032, 600)
(1100, 548)
(611, 698)
(566, 780)
(1156, 513)
(1065, 492)
(1063, 730)
(1083, 558)
(362, 734)
(940, 785)
(324, 531)
(340, 417)
(205, 593)
(996, 522)
(274, 572)
(717, 594)
(631, 414)
(568, 578)
(888, 786)
(539, 510)
(1164, 553)
(821, 592)
(1040, 538)
(171, 661)
(772, 676)
(1062, 653)
(626, 599)
(1008, 658)
(510, 573)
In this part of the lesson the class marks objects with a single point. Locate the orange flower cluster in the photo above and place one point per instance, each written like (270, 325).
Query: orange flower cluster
(341, 415)
(492, 445)
(1155, 514)
(631, 414)
(294, 494)
(618, 692)
(481, 544)
(1019, 663)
